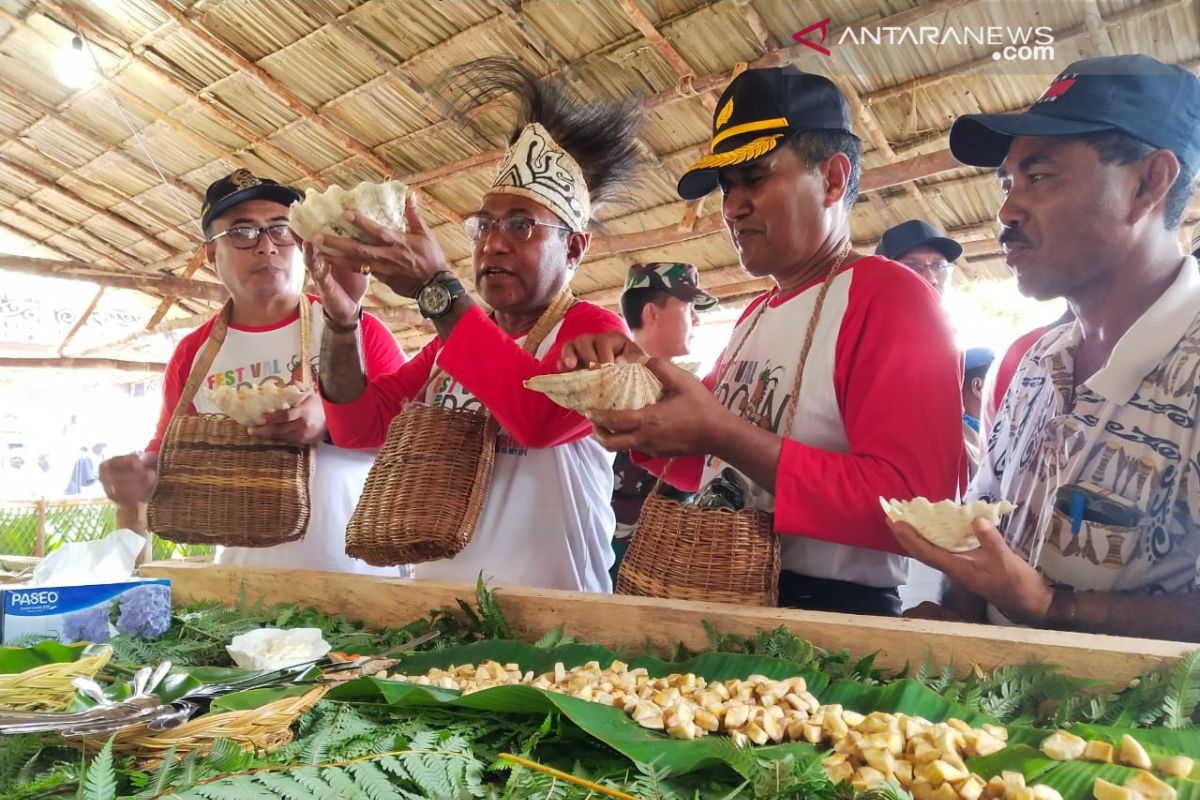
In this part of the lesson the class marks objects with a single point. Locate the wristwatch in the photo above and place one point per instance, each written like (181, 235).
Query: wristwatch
(438, 294)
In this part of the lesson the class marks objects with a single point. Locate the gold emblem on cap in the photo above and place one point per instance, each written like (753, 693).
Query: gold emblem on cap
(753, 149)
(748, 127)
(726, 113)
(244, 179)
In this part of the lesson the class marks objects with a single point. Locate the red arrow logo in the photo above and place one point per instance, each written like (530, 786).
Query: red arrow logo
(823, 25)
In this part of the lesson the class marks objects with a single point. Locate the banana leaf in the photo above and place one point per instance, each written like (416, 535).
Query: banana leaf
(1072, 779)
(899, 697)
(20, 659)
(609, 725)
(255, 698)
(1157, 741)
(712, 666)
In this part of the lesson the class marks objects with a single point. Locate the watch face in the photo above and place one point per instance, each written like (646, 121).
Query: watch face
(435, 299)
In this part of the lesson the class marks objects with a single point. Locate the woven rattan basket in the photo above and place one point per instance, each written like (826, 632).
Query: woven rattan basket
(48, 687)
(218, 484)
(427, 487)
(261, 730)
(687, 552)
(724, 555)
(435, 459)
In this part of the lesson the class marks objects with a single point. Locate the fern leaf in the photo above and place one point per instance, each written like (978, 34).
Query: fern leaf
(1183, 692)
(226, 755)
(100, 782)
(551, 638)
(340, 782)
(314, 752)
(311, 780)
(371, 781)
(283, 786)
(162, 776)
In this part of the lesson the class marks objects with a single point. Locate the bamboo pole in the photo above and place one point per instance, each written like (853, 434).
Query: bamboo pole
(288, 98)
(144, 234)
(81, 363)
(83, 318)
(151, 283)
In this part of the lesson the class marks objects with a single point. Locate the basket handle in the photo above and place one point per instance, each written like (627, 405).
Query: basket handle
(216, 338)
(806, 348)
(553, 314)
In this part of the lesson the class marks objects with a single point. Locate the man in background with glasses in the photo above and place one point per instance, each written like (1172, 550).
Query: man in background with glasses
(249, 243)
(922, 248)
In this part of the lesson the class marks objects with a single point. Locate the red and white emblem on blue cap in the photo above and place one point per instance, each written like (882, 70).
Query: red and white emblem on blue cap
(1062, 84)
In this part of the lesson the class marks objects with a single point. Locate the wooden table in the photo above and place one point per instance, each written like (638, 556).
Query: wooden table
(619, 620)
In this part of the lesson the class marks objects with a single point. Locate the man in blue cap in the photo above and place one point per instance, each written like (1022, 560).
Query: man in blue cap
(877, 412)
(976, 362)
(922, 248)
(1097, 442)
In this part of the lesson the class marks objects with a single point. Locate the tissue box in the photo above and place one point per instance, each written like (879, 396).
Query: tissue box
(85, 613)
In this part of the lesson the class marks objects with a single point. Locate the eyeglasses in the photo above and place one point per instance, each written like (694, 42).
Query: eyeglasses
(929, 269)
(244, 238)
(515, 229)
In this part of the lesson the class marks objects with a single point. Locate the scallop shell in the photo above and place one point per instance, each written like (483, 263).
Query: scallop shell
(247, 403)
(321, 212)
(946, 524)
(608, 387)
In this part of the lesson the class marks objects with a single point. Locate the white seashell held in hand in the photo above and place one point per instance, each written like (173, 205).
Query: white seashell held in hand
(946, 523)
(321, 212)
(608, 387)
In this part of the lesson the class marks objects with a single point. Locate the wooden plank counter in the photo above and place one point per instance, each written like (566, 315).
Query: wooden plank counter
(618, 620)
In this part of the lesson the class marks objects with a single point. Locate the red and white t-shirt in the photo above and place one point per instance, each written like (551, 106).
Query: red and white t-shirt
(547, 519)
(251, 355)
(879, 415)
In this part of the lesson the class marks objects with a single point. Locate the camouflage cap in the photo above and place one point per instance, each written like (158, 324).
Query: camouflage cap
(679, 279)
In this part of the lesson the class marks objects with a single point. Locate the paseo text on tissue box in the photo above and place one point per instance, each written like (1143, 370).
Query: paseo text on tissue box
(85, 613)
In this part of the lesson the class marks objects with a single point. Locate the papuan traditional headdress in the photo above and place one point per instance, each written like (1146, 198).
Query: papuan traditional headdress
(566, 153)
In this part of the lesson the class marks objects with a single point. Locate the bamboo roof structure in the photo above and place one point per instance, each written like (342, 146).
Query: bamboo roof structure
(104, 183)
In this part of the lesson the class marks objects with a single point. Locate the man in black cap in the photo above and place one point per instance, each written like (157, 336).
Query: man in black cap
(880, 397)
(257, 258)
(922, 248)
(1097, 442)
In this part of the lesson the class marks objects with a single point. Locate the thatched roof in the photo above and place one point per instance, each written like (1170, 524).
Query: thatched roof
(108, 179)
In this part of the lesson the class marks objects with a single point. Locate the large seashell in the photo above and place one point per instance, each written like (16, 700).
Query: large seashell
(608, 387)
(247, 403)
(321, 212)
(946, 524)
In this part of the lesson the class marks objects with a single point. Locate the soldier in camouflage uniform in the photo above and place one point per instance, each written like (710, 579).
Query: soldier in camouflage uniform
(659, 303)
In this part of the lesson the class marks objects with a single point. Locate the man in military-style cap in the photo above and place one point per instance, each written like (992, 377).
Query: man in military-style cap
(880, 401)
(660, 302)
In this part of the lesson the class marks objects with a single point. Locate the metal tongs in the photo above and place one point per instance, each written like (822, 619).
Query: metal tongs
(142, 707)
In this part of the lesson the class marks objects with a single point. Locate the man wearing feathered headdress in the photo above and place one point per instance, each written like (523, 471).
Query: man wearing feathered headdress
(547, 520)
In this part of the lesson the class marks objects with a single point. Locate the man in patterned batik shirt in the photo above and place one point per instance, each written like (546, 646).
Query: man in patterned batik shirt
(1097, 441)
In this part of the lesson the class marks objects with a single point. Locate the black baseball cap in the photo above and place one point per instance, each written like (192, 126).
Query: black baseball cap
(757, 111)
(238, 187)
(916, 233)
(1153, 102)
